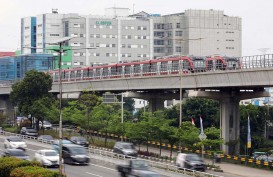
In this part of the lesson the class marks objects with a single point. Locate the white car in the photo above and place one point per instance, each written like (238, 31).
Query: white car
(47, 157)
(14, 142)
(45, 124)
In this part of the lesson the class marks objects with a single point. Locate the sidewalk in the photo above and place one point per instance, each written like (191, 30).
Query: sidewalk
(230, 170)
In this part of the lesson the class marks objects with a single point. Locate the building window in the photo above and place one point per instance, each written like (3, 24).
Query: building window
(123, 46)
(158, 42)
(108, 54)
(178, 49)
(178, 33)
(129, 45)
(158, 34)
(129, 37)
(96, 54)
(159, 49)
(144, 27)
(178, 25)
(113, 45)
(97, 35)
(169, 34)
(139, 28)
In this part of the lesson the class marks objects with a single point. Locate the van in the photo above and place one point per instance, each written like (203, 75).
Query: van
(75, 154)
(190, 161)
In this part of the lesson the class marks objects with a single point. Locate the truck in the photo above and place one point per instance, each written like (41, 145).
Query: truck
(136, 167)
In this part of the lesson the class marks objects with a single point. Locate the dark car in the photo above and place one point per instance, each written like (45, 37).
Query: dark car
(75, 154)
(190, 161)
(29, 131)
(45, 138)
(79, 141)
(124, 148)
(18, 153)
(136, 167)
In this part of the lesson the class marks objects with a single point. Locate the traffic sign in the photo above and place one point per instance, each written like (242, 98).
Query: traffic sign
(202, 136)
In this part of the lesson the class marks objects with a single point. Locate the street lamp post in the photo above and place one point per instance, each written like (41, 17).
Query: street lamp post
(60, 42)
(180, 90)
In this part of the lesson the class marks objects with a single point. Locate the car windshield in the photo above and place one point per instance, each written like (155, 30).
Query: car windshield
(78, 151)
(140, 164)
(193, 158)
(17, 153)
(127, 146)
(51, 153)
(15, 139)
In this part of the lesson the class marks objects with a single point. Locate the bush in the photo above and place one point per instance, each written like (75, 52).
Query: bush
(12, 129)
(7, 164)
(33, 172)
(100, 143)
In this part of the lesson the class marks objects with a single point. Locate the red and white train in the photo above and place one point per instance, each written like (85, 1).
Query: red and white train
(160, 66)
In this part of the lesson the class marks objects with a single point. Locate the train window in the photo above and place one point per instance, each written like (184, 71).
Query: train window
(113, 71)
(72, 74)
(79, 73)
(146, 68)
(153, 67)
(56, 76)
(66, 75)
(175, 65)
(105, 72)
(127, 69)
(186, 64)
(199, 63)
(164, 66)
(136, 68)
(97, 72)
(119, 70)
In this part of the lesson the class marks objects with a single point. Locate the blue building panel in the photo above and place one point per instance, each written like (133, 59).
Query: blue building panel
(14, 68)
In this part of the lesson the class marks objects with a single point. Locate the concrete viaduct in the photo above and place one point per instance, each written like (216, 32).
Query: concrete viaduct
(228, 87)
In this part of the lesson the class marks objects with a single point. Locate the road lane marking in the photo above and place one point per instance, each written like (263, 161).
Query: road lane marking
(93, 174)
(102, 167)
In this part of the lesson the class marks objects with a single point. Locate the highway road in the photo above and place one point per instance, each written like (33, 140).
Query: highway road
(98, 167)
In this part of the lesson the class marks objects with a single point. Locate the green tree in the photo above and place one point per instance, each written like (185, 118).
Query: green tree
(213, 140)
(25, 94)
(135, 132)
(87, 101)
(104, 118)
(188, 134)
(207, 108)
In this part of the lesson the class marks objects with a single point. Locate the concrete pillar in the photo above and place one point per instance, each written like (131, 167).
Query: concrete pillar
(230, 125)
(156, 103)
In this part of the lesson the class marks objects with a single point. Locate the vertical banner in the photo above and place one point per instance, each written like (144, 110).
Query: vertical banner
(201, 125)
(248, 134)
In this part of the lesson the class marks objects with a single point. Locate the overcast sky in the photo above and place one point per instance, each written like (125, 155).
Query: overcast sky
(257, 16)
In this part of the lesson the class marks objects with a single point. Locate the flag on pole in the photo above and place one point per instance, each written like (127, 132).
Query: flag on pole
(248, 134)
(192, 121)
(201, 125)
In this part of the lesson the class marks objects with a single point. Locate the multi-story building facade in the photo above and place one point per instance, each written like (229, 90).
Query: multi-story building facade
(13, 68)
(118, 36)
(115, 37)
(197, 32)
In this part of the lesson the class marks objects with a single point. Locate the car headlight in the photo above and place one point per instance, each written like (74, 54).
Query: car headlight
(46, 161)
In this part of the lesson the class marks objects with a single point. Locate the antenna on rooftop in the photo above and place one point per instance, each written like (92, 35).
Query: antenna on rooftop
(133, 8)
